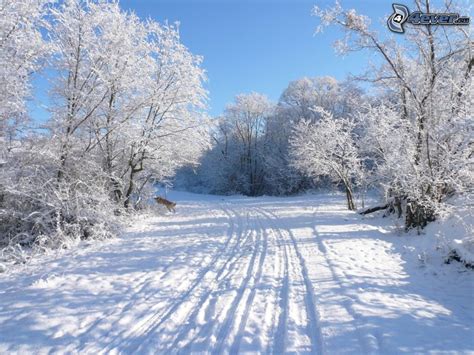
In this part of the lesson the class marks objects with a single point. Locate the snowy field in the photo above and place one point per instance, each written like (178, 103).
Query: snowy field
(235, 274)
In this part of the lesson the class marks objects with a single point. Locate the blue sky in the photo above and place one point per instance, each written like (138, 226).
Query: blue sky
(258, 45)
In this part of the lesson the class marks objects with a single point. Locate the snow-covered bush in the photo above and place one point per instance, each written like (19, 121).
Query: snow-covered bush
(38, 210)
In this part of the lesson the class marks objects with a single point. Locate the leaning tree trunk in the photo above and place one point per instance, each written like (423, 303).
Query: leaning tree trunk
(131, 185)
(349, 196)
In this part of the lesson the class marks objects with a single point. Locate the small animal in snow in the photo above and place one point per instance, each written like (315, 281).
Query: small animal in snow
(168, 204)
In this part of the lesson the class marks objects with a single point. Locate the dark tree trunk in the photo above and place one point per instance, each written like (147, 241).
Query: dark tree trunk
(350, 198)
(116, 189)
(128, 192)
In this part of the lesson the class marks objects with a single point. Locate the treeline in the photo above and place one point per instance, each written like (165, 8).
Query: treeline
(251, 151)
(126, 100)
(409, 136)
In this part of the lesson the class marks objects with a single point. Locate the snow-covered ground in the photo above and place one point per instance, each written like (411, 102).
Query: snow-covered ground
(235, 274)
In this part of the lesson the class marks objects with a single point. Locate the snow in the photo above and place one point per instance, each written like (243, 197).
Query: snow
(465, 249)
(238, 274)
(455, 231)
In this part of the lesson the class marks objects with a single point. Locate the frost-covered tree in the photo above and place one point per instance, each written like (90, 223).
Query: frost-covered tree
(21, 50)
(328, 147)
(242, 129)
(251, 140)
(78, 90)
(281, 177)
(301, 96)
(132, 91)
(126, 103)
(168, 131)
(57, 190)
(427, 74)
(298, 103)
(124, 59)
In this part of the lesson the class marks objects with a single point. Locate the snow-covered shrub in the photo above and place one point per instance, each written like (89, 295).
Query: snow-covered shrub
(455, 230)
(37, 209)
(462, 250)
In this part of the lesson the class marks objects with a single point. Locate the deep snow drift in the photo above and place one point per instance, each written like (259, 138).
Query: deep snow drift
(230, 274)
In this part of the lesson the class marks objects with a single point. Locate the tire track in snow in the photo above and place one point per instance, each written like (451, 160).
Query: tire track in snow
(191, 318)
(221, 281)
(221, 284)
(170, 311)
(147, 325)
(277, 299)
(212, 330)
(250, 300)
(203, 292)
(145, 282)
(311, 311)
(279, 332)
(231, 257)
(225, 329)
(230, 322)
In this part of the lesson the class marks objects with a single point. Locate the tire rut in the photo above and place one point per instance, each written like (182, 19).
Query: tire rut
(147, 326)
(313, 327)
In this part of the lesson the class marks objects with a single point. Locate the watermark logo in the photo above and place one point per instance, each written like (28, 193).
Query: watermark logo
(402, 15)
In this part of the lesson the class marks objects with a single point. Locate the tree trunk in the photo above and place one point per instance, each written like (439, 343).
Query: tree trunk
(62, 165)
(64, 155)
(129, 191)
(350, 198)
(115, 189)
(398, 205)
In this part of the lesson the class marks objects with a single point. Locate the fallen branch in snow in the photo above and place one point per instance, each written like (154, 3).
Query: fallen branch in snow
(374, 209)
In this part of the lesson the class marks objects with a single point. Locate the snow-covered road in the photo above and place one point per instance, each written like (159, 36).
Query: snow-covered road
(228, 275)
